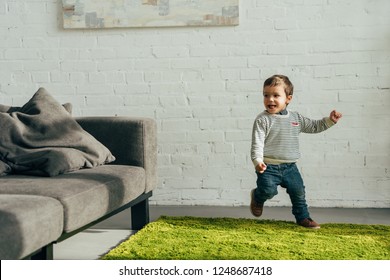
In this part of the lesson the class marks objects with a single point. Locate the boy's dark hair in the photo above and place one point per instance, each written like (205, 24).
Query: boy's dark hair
(277, 80)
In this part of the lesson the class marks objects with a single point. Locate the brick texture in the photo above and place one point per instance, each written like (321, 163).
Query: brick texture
(203, 86)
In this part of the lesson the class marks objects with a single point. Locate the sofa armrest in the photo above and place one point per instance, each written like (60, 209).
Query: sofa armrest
(133, 141)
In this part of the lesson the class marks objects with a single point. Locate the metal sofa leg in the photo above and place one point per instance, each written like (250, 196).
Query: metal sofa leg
(140, 214)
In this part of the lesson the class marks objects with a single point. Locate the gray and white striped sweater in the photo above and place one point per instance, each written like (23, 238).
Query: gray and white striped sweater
(275, 137)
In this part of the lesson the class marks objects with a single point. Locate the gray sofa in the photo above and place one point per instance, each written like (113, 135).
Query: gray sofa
(37, 212)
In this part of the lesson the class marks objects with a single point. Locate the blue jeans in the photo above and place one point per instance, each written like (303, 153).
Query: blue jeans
(287, 176)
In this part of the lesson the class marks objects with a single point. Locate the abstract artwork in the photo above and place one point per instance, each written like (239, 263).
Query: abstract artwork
(149, 13)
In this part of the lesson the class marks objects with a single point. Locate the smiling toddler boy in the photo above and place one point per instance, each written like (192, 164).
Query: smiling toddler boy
(275, 149)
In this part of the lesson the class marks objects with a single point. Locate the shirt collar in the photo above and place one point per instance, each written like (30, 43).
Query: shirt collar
(283, 112)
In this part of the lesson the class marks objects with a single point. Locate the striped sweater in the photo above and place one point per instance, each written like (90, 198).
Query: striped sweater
(275, 137)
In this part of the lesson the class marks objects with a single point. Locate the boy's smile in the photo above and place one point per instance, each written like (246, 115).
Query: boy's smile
(275, 99)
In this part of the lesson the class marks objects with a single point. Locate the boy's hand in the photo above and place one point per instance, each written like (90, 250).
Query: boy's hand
(261, 167)
(335, 116)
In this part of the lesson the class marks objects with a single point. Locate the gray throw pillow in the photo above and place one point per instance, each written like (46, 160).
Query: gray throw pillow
(42, 138)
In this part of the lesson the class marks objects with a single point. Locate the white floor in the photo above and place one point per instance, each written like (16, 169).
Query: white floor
(90, 244)
(95, 242)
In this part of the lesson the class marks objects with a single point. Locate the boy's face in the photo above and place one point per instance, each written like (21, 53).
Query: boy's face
(275, 99)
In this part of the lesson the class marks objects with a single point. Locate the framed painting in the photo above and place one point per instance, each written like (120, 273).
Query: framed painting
(149, 13)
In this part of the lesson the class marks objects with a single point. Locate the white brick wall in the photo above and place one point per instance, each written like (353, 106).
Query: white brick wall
(203, 86)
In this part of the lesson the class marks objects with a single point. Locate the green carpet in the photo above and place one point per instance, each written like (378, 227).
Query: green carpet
(191, 238)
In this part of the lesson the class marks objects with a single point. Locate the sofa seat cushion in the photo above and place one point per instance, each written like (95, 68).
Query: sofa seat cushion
(28, 223)
(86, 194)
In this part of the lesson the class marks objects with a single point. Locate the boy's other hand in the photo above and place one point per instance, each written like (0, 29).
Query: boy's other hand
(261, 167)
(335, 116)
